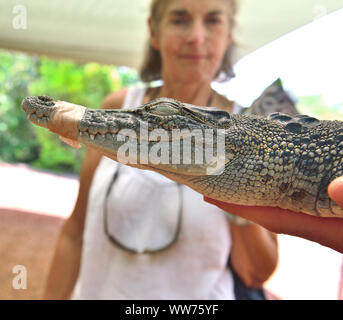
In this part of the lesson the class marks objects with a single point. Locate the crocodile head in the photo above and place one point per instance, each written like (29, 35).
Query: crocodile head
(163, 135)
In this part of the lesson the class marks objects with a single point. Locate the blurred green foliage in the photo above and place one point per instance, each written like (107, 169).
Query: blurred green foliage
(22, 75)
(317, 107)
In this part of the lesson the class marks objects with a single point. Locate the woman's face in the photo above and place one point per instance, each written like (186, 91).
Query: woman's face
(192, 38)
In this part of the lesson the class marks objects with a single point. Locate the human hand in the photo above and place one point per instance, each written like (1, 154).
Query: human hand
(326, 231)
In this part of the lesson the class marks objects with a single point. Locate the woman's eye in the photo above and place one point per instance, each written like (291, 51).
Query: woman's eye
(178, 21)
(213, 21)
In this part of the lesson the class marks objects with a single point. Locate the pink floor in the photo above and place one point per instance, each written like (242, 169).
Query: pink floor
(34, 204)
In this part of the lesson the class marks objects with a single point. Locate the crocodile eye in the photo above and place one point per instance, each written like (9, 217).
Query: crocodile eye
(163, 110)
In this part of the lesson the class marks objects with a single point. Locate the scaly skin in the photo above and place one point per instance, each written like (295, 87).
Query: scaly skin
(279, 161)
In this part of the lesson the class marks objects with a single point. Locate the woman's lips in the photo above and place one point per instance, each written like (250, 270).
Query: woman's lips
(193, 57)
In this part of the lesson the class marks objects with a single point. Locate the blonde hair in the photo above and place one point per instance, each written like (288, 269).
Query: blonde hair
(152, 63)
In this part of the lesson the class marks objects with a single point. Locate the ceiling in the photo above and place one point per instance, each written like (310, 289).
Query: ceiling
(115, 32)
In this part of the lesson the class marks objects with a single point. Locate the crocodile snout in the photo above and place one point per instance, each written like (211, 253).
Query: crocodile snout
(58, 116)
(32, 104)
(38, 109)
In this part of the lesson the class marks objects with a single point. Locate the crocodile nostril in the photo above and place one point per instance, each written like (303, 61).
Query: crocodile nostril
(45, 98)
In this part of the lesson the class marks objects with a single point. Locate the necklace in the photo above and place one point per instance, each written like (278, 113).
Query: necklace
(116, 242)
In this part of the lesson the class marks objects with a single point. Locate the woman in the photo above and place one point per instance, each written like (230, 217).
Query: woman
(189, 46)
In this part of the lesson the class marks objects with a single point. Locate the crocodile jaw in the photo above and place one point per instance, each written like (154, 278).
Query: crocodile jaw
(125, 137)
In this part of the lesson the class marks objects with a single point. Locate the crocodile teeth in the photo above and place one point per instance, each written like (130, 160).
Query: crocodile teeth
(114, 129)
(108, 136)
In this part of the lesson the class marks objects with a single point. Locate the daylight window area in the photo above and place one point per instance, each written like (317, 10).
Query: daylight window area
(307, 60)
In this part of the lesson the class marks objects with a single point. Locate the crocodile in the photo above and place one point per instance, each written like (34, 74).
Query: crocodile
(279, 160)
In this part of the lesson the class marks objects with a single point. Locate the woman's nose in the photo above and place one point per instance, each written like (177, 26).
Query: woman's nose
(196, 33)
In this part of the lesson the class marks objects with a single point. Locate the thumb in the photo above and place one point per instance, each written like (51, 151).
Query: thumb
(335, 190)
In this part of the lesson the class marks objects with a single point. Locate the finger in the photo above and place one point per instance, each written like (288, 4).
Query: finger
(267, 217)
(335, 190)
(272, 218)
